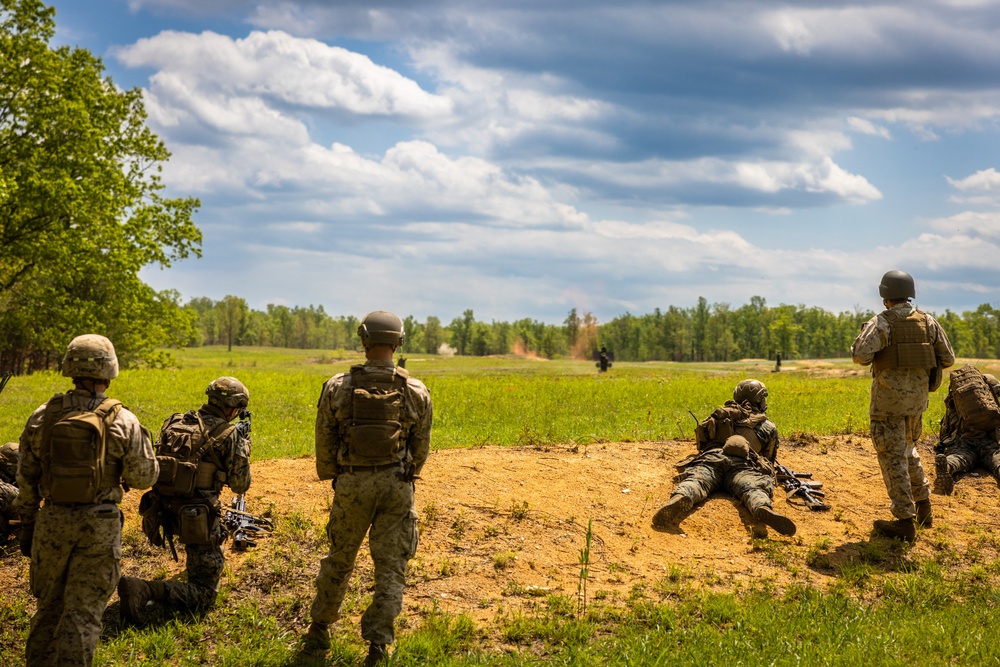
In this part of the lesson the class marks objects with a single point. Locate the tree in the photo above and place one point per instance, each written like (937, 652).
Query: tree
(232, 316)
(81, 210)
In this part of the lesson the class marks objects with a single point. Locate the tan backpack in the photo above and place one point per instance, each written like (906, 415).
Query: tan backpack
(74, 454)
(182, 448)
(973, 399)
(375, 433)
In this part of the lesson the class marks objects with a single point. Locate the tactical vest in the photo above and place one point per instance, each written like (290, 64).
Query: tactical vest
(973, 399)
(74, 450)
(376, 431)
(186, 453)
(731, 419)
(909, 345)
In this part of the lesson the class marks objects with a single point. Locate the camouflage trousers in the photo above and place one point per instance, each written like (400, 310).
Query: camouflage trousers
(75, 563)
(895, 440)
(965, 455)
(382, 503)
(741, 477)
(204, 566)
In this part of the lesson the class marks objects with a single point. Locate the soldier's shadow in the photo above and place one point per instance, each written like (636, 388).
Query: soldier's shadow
(854, 561)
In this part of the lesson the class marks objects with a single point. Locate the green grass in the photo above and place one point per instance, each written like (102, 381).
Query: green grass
(479, 401)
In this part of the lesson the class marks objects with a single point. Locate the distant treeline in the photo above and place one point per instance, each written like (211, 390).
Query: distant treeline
(705, 332)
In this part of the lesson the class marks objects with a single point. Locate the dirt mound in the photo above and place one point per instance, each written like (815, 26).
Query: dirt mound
(501, 527)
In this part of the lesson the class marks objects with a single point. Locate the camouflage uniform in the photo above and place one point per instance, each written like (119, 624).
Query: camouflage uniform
(205, 563)
(966, 447)
(367, 498)
(748, 478)
(76, 550)
(898, 401)
(8, 487)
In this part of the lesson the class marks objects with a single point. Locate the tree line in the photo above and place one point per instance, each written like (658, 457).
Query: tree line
(704, 332)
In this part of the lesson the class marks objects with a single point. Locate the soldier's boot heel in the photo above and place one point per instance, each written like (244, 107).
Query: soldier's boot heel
(671, 513)
(317, 637)
(900, 529)
(925, 517)
(377, 655)
(134, 594)
(944, 482)
(772, 519)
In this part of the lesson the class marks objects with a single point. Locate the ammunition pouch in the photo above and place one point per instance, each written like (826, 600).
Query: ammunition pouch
(195, 524)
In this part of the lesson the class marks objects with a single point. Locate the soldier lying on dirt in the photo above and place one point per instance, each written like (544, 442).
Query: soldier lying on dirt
(968, 435)
(737, 446)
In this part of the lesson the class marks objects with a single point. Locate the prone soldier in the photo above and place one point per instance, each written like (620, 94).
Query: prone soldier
(737, 446)
(968, 434)
(8, 490)
(76, 452)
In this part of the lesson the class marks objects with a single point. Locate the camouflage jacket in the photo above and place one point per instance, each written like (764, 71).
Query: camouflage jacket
(127, 442)
(338, 393)
(902, 391)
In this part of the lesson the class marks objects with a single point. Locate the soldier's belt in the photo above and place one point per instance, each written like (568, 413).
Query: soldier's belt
(386, 466)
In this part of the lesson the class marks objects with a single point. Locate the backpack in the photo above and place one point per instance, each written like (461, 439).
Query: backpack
(973, 399)
(731, 419)
(74, 465)
(181, 450)
(375, 433)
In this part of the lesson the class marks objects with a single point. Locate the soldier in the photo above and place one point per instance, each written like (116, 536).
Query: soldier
(8, 490)
(74, 540)
(964, 443)
(908, 350)
(199, 451)
(736, 447)
(373, 432)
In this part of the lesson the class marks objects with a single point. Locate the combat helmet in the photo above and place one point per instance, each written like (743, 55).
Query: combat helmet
(90, 356)
(753, 392)
(228, 392)
(897, 285)
(992, 381)
(381, 328)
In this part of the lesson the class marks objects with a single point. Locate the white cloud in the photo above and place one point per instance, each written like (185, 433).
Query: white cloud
(968, 224)
(864, 126)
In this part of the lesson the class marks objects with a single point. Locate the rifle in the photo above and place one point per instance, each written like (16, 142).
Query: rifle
(244, 526)
(244, 425)
(4, 377)
(809, 491)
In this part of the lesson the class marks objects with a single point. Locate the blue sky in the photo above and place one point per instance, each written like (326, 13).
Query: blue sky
(522, 158)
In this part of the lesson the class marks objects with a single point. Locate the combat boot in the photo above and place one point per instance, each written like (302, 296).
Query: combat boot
(671, 513)
(377, 655)
(135, 594)
(924, 516)
(900, 529)
(767, 516)
(317, 637)
(944, 483)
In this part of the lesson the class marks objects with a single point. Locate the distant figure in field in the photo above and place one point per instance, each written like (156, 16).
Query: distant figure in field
(737, 446)
(968, 435)
(907, 350)
(604, 359)
(373, 436)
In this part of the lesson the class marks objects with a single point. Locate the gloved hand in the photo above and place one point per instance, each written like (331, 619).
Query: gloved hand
(25, 536)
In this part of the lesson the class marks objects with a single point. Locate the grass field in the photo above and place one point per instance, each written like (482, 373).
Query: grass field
(500, 401)
(888, 609)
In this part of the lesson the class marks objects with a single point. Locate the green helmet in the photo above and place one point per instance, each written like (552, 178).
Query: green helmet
(897, 285)
(381, 328)
(228, 392)
(753, 392)
(90, 356)
(992, 381)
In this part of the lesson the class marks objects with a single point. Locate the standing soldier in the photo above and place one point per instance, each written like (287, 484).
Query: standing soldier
(199, 452)
(908, 351)
(75, 453)
(373, 435)
(737, 446)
